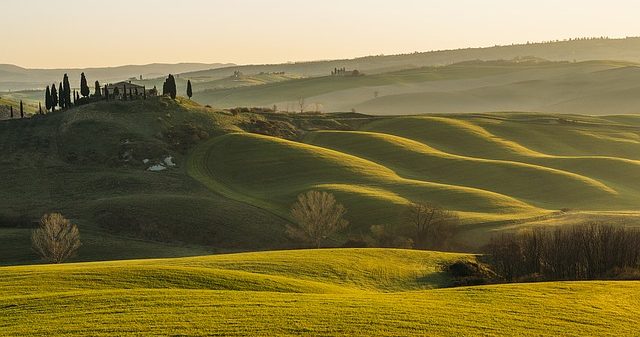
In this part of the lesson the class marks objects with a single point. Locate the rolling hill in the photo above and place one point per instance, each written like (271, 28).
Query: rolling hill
(227, 180)
(524, 84)
(321, 292)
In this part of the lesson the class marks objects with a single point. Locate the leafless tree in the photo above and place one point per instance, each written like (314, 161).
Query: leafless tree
(302, 104)
(433, 226)
(56, 239)
(317, 216)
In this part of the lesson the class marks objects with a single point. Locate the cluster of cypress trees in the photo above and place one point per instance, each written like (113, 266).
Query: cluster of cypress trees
(60, 96)
(169, 87)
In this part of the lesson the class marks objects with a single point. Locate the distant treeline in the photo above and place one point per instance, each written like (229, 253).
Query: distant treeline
(584, 252)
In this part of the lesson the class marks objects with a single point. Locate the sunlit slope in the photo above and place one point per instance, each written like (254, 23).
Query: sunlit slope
(271, 172)
(600, 149)
(323, 292)
(543, 186)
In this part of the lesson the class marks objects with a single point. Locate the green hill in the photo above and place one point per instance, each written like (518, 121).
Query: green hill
(321, 292)
(225, 181)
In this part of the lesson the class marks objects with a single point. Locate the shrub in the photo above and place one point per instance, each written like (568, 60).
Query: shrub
(317, 216)
(434, 227)
(56, 239)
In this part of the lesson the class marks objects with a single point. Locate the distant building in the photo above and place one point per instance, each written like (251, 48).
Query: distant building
(130, 87)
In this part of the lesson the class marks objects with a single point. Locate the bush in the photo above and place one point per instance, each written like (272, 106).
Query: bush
(317, 216)
(469, 273)
(56, 239)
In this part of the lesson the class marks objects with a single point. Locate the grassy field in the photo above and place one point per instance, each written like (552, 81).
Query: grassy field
(231, 190)
(311, 293)
(492, 169)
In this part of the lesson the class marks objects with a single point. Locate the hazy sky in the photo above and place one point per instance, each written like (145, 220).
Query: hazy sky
(36, 33)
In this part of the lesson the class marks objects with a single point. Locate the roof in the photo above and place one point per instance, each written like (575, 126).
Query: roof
(124, 83)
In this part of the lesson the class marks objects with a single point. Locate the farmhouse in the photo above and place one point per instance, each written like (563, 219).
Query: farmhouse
(118, 89)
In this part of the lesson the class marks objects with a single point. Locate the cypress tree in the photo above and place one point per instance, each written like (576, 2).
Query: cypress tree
(47, 99)
(54, 98)
(189, 89)
(171, 86)
(11, 110)
(67, 91)
(97, 92)
(144, 92)
(106, 92)
(39, 108)
(61, 102)
(21, 110)
(84, 88)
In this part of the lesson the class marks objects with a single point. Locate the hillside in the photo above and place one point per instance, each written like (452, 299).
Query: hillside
(590, 87)
(226, 181)
(626, 49)
(321, 292)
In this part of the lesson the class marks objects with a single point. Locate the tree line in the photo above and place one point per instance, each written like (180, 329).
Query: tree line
(580, 252)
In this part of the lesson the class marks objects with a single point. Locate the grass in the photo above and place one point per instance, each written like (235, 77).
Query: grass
(324, 292)
(232, 191)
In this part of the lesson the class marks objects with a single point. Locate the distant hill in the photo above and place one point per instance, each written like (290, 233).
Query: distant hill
(627, 49)
(14, 78)
(588, 87)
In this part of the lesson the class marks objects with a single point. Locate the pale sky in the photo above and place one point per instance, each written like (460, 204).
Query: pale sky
(35, 33)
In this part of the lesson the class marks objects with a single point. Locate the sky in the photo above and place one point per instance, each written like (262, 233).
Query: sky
(86, 33)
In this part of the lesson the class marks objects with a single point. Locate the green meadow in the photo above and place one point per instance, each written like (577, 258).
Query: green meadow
(379, 292)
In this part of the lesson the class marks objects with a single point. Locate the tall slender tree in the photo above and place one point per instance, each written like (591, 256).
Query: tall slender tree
(67, 91)
(39, 108)
(11, 111)
(106, 92)
(189, 89)
(97, 92)
(124, 94)
(144, 92)
(84, 88)
(54, 98)
(47, 99)
(21, 110)
(61, 100)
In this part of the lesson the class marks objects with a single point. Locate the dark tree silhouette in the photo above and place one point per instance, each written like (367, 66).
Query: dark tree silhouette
(106, 92)
(66, 87)
(21, 110)
(61, 102)
(97, 90)
(84, 88)
(169, 87)
(11, 111)
(144, 92)
(189, 89)
(47, 99)
(54, 98)
(40, 108)
(124, 94)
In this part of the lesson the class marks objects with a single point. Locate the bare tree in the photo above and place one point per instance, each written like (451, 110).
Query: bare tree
(433, 225)
(302, 104)
(56, 239)
(317, 216)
